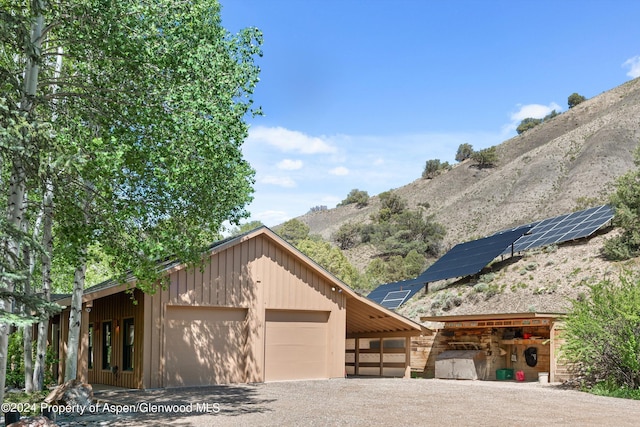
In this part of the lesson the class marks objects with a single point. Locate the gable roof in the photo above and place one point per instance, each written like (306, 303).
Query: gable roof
(364, 317)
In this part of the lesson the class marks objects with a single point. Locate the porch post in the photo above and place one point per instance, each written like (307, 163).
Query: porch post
(407, 357)
(357, 355)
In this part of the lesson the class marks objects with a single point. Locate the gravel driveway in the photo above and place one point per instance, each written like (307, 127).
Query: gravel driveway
(362, 401)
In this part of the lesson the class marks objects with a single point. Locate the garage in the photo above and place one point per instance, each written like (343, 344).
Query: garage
(202, 344)
(296, 345)
(255, 310)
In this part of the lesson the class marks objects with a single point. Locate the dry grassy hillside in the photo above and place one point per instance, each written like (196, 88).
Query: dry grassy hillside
(569, 162)
(548, 170)
(542, 280)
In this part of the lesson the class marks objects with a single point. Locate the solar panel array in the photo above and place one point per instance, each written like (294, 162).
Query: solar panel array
(469, 258)
(393, 295)
(564, 228)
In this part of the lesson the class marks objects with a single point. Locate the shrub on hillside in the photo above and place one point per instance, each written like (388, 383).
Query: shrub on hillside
(434, 168)
(575, 99)
(347, 236)
(464, 152)
(626, 203)
(485, 158)
(358, 197)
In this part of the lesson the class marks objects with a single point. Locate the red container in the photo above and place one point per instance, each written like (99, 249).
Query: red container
(519, 375)
(526, 336)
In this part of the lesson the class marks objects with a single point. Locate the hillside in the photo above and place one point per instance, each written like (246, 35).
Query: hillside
(546, 171)
(568, 162)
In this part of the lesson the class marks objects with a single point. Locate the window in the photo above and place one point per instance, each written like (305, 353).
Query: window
(106, 345)
(127, 345)
(90, 346)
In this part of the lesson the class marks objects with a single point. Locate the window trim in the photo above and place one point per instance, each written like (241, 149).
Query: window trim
(91, 346)
(106, 347)
(126, 323)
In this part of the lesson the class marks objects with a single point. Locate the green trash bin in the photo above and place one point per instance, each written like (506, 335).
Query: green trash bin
(504, 374)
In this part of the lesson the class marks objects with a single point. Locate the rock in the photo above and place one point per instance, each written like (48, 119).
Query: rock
(73, 392)
(34, 422)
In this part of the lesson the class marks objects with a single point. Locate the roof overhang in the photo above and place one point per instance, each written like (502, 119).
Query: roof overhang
(498, 320)
(367, 319)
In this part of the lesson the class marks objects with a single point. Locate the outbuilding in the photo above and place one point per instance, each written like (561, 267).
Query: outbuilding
(527, 343)
(257, 310)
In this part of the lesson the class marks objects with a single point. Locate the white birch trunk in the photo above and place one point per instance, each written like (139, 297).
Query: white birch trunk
(75, 318)
(47, 243)
(16, 211)
(75, 314)
(17, 188)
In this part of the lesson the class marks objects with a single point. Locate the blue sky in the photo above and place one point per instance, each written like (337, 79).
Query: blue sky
(360, 94)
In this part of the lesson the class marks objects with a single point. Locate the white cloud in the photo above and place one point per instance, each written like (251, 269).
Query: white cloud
(271, 218)
(634, 66)
(288, 164)
(339, 171)
(533, 111)
(290, 140)
(281, 181)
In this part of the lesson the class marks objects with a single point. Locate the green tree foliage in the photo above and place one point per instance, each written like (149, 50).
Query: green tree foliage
(414, 264)
(626, 203)
(433, 168)
(390, 204)
(464, 152)
(347, 236)
(551, 115)
(246, 227)
(293, 231)
(603, 333)
(331, 259)
(575, 99)
(408, 231)
(530, 123)
(485, 158)
(359, 197)
(527, 124)
(397, 230)
(133, 114)
(393, 269)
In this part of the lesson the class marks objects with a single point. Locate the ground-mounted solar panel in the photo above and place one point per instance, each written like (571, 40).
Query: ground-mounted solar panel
(564, 228)
(393, 295)
(469, 258)
(395, 299)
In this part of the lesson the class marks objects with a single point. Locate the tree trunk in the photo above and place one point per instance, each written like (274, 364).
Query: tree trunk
(75, 317)
(16, 211)
(47, 243)
(17, 187)
(28, 358)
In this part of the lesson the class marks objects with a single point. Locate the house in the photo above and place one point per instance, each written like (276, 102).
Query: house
(505, 340)
(257, 310)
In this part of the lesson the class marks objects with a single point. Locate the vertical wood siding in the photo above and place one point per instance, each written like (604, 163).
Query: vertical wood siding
(258, 275)
(114, 308)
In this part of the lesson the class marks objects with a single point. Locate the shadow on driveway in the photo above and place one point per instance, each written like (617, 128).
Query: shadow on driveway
(176, 406)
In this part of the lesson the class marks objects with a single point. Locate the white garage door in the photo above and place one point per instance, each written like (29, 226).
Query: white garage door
(204, 346)
(296, 345)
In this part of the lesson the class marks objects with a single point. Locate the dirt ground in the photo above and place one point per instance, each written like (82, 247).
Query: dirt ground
(361, 401)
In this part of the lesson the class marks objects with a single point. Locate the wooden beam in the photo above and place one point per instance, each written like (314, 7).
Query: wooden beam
(392, 334)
